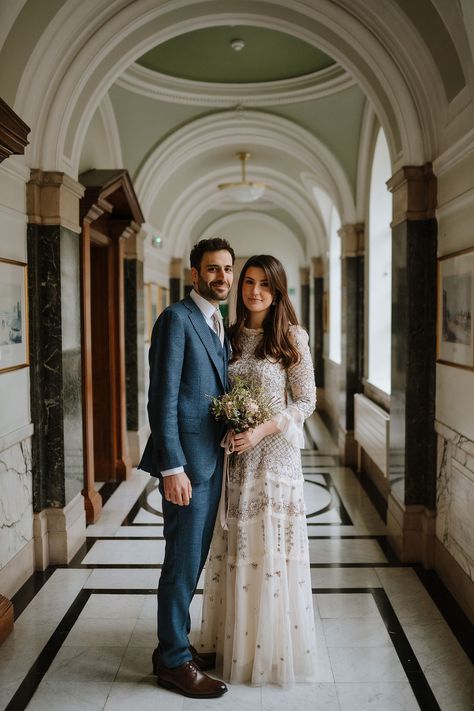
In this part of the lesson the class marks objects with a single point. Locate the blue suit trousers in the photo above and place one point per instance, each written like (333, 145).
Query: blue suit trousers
(188, 532)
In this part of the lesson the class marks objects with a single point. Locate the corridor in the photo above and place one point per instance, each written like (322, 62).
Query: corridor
(84, 633)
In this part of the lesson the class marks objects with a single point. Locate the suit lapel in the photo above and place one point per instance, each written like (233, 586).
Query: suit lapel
(204, 332)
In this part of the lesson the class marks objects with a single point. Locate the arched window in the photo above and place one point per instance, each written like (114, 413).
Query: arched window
(334, 287)
(380, 269)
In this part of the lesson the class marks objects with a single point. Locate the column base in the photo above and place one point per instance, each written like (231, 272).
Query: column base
(92, 504)
(348, 448)
(6, 618)
(59, 533)
(411, 532)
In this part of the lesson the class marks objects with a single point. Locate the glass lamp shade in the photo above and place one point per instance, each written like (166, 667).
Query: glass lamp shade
(245, 191)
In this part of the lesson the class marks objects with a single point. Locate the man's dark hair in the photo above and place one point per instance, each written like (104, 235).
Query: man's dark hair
(209, 245)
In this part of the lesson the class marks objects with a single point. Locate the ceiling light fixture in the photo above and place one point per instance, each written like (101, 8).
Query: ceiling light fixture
(237, 45)
(245, 190)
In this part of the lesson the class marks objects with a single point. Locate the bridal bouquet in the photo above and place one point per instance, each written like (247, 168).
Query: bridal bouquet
(243, 407)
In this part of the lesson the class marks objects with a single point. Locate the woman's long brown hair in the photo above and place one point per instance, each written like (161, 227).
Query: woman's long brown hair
(276, 342)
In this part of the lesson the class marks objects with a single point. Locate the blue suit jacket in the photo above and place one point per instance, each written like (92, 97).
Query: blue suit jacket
(187, 366)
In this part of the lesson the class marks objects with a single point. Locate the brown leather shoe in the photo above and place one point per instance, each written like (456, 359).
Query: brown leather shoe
(205, 661)
(189, 681)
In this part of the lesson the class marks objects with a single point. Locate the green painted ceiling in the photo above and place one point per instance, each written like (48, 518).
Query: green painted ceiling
(206, 55)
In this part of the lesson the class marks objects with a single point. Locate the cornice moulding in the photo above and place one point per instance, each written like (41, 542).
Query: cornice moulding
(155, 85)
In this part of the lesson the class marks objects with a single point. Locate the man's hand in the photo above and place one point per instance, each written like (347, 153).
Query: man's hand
(177, 489)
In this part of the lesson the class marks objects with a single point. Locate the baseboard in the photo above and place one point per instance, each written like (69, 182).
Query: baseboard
(411, 532)
(59, 533)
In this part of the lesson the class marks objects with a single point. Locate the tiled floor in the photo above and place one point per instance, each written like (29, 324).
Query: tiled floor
(84, 640)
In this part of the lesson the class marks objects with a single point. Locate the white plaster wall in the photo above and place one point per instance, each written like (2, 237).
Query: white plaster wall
(455, 386)
(96, 152)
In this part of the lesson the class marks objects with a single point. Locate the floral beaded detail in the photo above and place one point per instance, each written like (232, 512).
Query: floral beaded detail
(258, 576)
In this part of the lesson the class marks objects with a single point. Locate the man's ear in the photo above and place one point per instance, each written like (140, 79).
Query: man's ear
(194, 274)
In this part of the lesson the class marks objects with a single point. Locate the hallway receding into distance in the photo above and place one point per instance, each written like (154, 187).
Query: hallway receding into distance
(85, 632)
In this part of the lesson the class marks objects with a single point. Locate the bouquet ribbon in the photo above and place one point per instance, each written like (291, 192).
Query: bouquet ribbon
(228, 444)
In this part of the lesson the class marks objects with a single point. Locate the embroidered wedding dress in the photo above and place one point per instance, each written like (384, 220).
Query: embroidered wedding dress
(257, 602)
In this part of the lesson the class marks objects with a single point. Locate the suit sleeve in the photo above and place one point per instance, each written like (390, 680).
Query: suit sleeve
(166, 365)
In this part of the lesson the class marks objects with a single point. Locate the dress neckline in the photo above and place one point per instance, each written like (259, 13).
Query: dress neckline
(252, 331)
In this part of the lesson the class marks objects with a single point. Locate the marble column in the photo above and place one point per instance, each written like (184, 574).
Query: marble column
(412, 435)
(304, 296)
(134, 346)
(352, 332)
(176, 268)
(318, 291)
(55, 363)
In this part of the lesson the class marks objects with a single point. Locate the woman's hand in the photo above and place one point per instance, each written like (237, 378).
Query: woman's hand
(250, 438)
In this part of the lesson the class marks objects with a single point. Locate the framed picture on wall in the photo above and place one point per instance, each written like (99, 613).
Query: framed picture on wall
(455, 336)
(13, 315)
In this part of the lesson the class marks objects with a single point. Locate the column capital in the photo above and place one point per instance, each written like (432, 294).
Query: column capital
(414, 193)
(176, 266)
(304, 276)
(52, 198)
(319, 267)
(352, 240)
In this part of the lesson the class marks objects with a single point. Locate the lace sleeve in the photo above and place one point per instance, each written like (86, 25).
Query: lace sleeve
(302, 390)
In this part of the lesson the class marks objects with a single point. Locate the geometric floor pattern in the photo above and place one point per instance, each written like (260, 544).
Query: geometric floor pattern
(84, 633)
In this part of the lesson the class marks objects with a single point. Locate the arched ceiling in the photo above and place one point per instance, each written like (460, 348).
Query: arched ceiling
(157, 88)
(208, 55)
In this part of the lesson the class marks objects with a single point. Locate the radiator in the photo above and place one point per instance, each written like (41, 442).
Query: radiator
(372, 431)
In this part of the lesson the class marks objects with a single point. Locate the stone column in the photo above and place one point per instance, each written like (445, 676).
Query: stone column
(304, 295)
(135, 346)
(412, 500)
(55, 365)
(352, 332)
(318, 290)
(176, 269)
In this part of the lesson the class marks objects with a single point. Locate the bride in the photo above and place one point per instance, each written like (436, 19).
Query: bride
(257, 601)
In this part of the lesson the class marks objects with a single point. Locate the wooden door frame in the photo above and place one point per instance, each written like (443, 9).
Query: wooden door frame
(109, 206)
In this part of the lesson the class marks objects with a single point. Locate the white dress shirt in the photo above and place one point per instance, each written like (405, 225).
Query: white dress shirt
(207, 309)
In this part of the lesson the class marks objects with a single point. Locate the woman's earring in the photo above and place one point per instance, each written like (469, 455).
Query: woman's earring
(274, 303)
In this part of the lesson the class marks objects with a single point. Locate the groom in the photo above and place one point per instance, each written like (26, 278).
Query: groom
(188, 363)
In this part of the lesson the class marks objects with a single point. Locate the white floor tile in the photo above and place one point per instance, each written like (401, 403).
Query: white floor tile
(239, 697)
(143, 695)
(113, 606)
(346, 551)
(126, 552)
(370, 664)
(80, 696)
(124, 579)
(343, 605)
(356, 632)
(344, 578)
(312, 697)
(85, 664)
(100, 633)
(388, 696)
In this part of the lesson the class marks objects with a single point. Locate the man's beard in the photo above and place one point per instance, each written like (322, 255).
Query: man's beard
(207, 291)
